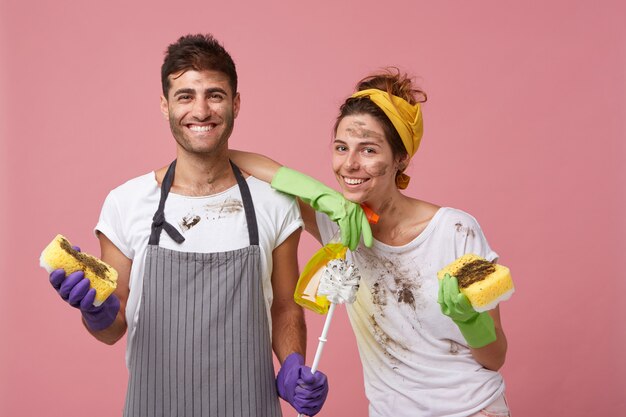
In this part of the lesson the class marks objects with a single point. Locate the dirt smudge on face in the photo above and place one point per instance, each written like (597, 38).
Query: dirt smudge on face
(358, 130)
(376, 169)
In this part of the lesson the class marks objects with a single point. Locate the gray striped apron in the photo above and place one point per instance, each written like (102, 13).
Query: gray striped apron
(202, 344)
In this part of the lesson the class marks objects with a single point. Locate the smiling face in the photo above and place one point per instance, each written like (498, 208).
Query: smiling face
(201, 109)
(363, 161)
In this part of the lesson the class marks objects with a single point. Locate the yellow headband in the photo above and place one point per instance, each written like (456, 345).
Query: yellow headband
(406, 118)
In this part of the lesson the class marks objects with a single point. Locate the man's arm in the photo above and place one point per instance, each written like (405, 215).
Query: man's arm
(306, 392)
(288, 326)
(114, 257)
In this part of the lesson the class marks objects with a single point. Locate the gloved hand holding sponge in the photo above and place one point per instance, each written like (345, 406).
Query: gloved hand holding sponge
(477, 328)
(83, 281)
(468, 288)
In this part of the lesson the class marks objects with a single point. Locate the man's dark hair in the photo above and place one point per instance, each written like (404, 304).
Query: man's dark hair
(200, 53)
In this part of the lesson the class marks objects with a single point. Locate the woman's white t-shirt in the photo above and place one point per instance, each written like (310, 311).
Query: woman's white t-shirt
(415, 360)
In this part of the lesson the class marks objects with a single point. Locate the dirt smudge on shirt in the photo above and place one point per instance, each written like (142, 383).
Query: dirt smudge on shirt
(405, 295)
(400, 281)
(454, 348)
(379, 294)
(223, 209)
(389, 346)
(189, 221)
(381, 337)
(461, 228)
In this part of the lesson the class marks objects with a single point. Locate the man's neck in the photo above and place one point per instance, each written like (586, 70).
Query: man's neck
(201, 175)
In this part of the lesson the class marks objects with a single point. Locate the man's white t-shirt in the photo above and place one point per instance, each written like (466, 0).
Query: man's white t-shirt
(215, 223)
(415, 360)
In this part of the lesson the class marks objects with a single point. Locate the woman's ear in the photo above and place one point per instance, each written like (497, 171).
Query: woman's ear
(402, 162)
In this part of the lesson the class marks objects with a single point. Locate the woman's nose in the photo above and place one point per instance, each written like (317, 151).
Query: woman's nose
(352, 161)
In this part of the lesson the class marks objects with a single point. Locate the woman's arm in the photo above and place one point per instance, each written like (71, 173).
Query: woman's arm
(482, 331)
(348, 215)
(264, 168)
(257, 165)
(493, 355)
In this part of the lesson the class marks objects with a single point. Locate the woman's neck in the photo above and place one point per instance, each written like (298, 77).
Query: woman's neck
(402, 218)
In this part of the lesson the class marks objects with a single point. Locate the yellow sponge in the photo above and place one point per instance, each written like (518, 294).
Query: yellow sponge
(484, 283)
(59, 254)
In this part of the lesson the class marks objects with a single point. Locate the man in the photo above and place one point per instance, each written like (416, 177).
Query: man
(207, 265)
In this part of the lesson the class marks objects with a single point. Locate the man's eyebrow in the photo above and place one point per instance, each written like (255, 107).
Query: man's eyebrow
(185, 91)
(192, 92)
(216, 90)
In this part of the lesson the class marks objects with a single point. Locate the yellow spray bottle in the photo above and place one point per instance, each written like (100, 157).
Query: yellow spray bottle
(308, 283)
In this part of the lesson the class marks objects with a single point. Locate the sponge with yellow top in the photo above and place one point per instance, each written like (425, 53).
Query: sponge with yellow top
(59, 254)
(485, 284)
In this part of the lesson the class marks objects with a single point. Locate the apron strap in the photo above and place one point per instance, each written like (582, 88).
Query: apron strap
(158, 221)
(248, 206)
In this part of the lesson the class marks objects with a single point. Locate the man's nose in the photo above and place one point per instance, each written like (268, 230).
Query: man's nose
(201, 110)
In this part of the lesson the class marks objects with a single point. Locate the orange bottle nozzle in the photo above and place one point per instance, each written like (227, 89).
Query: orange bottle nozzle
(369, 213)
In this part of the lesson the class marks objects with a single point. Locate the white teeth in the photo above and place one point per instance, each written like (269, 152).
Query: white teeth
(353, 181)
(196, 128)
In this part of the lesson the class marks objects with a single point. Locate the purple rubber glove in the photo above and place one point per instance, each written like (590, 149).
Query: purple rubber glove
(74, 288)
(306, 392)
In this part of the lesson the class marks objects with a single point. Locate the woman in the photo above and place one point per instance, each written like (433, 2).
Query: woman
(416, 360)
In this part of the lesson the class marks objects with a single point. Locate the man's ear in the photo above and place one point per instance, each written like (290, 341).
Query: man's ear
(236, 104)
(164, 109)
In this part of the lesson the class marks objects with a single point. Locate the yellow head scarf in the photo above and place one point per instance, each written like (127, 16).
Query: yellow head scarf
(406, 118)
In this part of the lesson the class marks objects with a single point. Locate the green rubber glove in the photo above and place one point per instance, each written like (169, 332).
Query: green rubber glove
(348, 215)
(477, 328)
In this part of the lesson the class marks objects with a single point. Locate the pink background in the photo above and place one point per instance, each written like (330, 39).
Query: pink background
(525, 128)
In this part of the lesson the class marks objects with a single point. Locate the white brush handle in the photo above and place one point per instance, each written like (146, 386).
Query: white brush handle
(322, 340)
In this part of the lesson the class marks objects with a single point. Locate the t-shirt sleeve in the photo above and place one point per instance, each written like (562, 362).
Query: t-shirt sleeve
(470, 238)
(327, 228)
(111, 225)
(291, 220)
